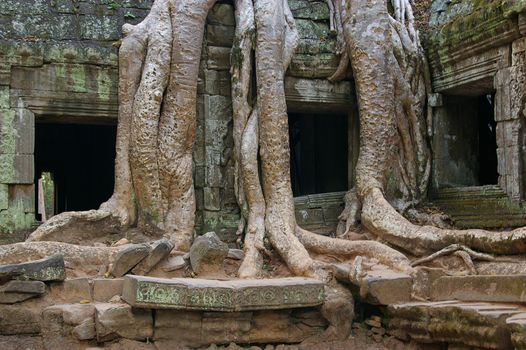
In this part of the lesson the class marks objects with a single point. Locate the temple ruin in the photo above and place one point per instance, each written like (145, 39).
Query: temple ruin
(342, 174)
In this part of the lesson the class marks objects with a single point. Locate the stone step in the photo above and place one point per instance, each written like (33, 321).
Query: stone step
(478, 324)
(213, 295)
(501, 288)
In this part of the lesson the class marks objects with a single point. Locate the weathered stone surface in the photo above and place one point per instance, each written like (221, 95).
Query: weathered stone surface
(385, 287)
(120, 320)
(480, 325)
(506, 289)
(189, 329)
(30, 287)
(85, 330)
(71, 290)
(104, 289)
(236, 254)
(212, 295)
(16, 320)
(12, 298)
(128, 258)
(47, 269)
(160, 250)
(174, 263)
(207, 253)
(59, 323)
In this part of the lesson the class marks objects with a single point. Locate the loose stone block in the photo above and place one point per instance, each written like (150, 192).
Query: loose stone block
(30, 287)
(160, 250)
(128, 258)
(119, 320)
(47, 269)
(212, 295)
(207, 253)
(500, 288)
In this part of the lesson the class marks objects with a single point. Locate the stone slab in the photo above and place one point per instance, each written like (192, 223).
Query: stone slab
(230, 296)
(160, 250)
(387, 287)
(28, 287)
(502, 288)
(47, 269)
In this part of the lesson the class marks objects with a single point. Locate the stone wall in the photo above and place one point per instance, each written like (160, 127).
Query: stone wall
(58, 60)
(477, 48)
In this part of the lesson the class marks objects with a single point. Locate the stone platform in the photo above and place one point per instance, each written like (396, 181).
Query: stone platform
(468, 324)
(225, 296)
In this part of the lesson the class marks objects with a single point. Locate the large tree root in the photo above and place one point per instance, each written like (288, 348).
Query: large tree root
(158, 67)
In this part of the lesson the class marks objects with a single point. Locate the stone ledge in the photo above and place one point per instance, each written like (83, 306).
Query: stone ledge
(230, 296)
(506, 289)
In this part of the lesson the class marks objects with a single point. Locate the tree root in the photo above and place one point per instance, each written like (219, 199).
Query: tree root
(372, 249)
(455, 248)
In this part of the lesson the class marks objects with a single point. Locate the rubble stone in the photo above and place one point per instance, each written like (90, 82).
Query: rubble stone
(207, 253)
(128, 258)
(160, 250)
(120, 320)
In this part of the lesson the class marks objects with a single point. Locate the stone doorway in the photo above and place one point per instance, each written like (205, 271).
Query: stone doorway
(80, 159)
(319, 153)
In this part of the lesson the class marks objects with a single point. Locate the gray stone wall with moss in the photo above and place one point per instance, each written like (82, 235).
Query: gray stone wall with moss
(477, 48)
(58, 58)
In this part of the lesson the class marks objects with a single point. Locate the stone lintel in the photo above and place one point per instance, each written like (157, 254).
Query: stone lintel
(213, 295)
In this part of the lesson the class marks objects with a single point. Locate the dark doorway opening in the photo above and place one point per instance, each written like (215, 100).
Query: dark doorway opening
(81, 160)
(318, 151)
(487, 130)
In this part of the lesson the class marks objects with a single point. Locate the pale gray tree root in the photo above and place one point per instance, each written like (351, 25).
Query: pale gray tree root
(158, 68)
(398, 128)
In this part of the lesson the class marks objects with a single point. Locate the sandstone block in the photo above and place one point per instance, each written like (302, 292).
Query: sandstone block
(174, 263)
(16, 320)
(47, 269)
(236, 254)
(207, 253)
(85, 330)
(13, 298)
(71, 290)
(213, 295)
(160, 250)
(128, 258)
(222, 14)
(500, 288)
(59, 323)
(104, 289)
(120, 320)
(30, 287)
